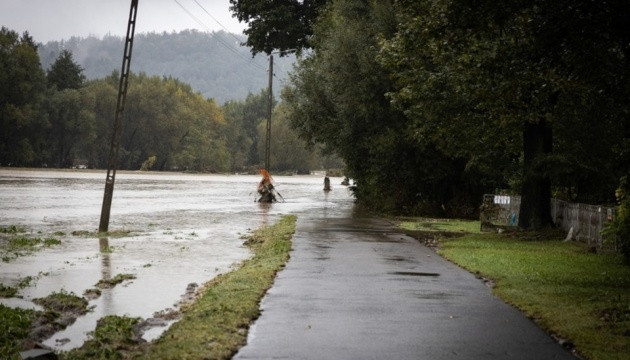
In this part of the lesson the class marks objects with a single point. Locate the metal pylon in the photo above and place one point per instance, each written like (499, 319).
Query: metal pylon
(117, 127)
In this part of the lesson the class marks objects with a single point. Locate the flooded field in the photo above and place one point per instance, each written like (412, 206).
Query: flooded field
(183, 229)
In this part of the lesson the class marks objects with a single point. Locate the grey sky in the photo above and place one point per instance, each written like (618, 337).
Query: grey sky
(49, 20)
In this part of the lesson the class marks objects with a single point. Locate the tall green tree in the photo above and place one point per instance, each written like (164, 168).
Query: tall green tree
(282, 25)
(64, 73)
(22, 88)
(69, 112)
(72, 128)
(337, 97)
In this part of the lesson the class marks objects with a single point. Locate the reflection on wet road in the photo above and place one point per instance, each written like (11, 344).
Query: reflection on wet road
(184, 229)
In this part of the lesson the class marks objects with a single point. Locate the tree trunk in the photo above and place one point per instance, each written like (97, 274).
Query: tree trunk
(535, 211)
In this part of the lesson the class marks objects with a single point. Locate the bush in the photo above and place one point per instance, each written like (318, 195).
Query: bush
(619, 230)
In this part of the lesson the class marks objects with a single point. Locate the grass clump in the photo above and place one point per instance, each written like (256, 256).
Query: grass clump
(15, 325)
(216, 324)
(113, 337)
(110, 283)
(12, 229)
(62, 302)
(7, 291)
(20, 245)
(574, 294)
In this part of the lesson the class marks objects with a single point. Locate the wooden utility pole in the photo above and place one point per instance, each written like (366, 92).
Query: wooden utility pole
(117, 127)
(270, 94)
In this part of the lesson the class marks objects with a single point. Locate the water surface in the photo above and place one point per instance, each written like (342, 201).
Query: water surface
(185, 229)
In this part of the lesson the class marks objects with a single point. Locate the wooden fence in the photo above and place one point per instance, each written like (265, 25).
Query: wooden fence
(582, 222)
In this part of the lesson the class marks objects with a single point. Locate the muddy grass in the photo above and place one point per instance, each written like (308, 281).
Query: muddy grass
(15, 244)
(110, 283)
(430, 231)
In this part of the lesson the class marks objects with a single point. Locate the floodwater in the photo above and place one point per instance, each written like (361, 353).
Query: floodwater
(185, 228)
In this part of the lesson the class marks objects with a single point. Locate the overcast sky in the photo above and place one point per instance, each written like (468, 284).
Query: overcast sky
(49, 20)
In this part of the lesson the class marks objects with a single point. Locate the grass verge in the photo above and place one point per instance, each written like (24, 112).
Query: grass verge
(570, 292)
(215, 325)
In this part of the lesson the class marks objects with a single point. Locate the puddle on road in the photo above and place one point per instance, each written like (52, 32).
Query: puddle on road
(415, 273)
(183, 229)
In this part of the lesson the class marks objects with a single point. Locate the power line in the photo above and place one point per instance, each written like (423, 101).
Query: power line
(217, 21)
(229, 47)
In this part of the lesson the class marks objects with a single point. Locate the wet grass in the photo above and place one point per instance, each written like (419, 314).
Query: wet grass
(15, 325)
(113, 338)
(12, 229)
(7, 291)
(14, 244)
(110, 283)
(63, 301)
(574, 294)
(23, 329)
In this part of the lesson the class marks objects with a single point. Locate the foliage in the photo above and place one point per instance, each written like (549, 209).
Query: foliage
(284, 25)
(22, 86)
(148, 163)
(64, 73)
(287, 151)
(619, 229)
(506, 83)
(570, 292)
(243, 118)
(337, 98)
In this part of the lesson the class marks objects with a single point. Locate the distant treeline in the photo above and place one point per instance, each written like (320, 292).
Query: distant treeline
(212, 63)
(56, 118)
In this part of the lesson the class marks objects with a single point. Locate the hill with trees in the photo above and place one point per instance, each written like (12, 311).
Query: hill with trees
(214, 64)
(57, 118)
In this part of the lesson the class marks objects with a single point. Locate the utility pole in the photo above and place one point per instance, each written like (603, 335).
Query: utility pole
(117, 127)
(270, 93)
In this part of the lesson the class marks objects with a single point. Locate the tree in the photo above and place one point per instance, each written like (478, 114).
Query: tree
(283, 25)
(22, 86)
(243, 118)
(64, 73)
(337, 97)
(484, 73)
(288, 151)
(72, 128)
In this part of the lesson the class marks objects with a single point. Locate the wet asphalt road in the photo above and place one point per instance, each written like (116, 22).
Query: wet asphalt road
(355, 289)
